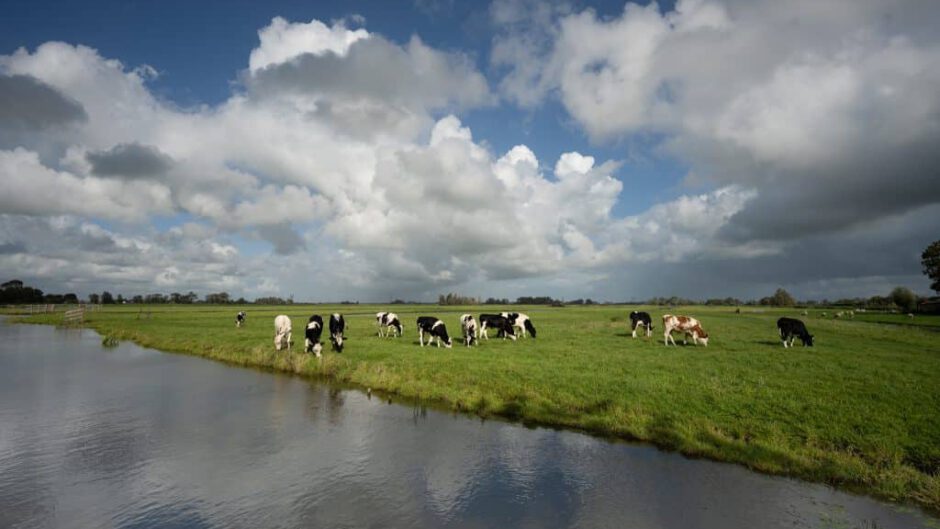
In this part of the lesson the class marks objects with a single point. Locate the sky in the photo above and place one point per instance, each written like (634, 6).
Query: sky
(378, 150)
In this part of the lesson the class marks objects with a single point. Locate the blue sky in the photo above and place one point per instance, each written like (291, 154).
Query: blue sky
(748, 142)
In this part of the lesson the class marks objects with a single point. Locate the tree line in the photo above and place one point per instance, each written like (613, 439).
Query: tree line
(901, 298)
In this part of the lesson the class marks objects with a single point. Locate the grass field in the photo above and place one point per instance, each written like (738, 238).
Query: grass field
(861, 410)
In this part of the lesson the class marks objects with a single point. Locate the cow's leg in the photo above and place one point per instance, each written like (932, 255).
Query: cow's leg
(634, 329)
(649, 331)
(420, 336)
(288, 341)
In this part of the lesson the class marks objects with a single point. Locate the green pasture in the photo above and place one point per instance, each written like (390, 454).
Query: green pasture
(861, 410)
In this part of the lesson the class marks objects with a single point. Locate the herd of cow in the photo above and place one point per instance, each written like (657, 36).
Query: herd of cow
(509, 325)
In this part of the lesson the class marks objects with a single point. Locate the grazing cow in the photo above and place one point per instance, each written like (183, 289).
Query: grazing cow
(282, 332)
(471, 331)
(521, 321)
(689, 326)
(498, 322)
(435, 329)
(240, 319)
(337, 328)
(312, 335)
(910, 315)
(641, 318)
(388, 323)
(790, 329)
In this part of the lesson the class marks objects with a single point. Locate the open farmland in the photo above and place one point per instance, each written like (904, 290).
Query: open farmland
(861, 410)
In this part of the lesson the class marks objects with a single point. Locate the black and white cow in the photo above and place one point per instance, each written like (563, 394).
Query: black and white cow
(388, 323)
(641, 318)
(791, 329)
(337, 329)
(435, 329)
(312, 335)
(498, 322)
(240, 319)
(471, 331)
(520, 321)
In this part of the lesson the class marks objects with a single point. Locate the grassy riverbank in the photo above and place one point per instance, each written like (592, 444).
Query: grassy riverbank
(860, 411)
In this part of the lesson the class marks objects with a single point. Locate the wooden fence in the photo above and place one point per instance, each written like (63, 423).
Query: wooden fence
(39, 309)
(74, 317)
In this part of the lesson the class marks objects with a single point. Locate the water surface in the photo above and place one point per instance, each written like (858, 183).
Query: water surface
(130, 437)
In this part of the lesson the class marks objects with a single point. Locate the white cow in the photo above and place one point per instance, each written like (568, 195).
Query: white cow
(282, 332)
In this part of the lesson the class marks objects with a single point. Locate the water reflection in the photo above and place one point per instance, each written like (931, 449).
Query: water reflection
(128, 437)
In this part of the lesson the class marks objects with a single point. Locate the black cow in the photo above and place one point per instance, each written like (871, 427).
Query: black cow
(240, 319)
(791, 329)
(337, 328)
(312, 335)
(498, 322)
(641, 318)
(435, 329)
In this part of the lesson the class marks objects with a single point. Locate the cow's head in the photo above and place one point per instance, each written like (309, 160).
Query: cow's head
(808, 340)
(700, 334)
(529, 327)
(442, 332)
(317, 348)
(337, 340)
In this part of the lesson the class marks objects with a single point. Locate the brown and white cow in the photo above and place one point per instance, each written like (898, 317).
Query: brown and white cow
(685, 324)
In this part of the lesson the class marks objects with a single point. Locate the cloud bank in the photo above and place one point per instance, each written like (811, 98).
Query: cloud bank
(340, 168)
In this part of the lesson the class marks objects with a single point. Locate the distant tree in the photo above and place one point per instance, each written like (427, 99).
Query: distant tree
(70, 298)
(176, 297)
(782, 298)
(119, 300)
(155, 298)
(272, 300)
(534, 300)
(107, 298)
(137, 299)
(452, 298)
(219, 298)
(930, 259)
(904, 298)
(16, 292)
(94, 299)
